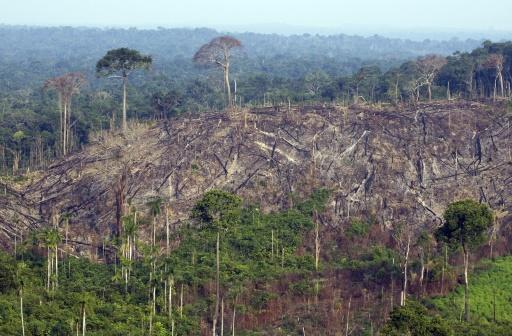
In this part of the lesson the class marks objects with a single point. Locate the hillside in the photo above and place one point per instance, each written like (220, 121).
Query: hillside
(252, 176)
(394, 164)
(357, 172)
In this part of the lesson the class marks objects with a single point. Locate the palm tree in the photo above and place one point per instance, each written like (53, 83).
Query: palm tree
(50, 239)
(130, 228)
(155, 209)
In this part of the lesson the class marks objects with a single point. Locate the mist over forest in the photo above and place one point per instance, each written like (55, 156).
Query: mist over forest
(43, 52)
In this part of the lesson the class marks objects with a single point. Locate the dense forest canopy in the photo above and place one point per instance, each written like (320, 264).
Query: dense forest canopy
(37, 53)
(269, 69)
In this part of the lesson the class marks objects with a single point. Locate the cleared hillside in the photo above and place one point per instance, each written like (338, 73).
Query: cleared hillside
(395, 164)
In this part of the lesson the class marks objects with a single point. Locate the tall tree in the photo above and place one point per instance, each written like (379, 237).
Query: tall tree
(21, 269)
(465, 225)
(120, 63)
(217, 52)
(402, 234)
(428, 68)
(66, 86)
(50, 238)
(495, 61)
(130, 227)
(155, 207)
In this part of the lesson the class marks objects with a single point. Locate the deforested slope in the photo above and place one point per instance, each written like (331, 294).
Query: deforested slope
(393, 163)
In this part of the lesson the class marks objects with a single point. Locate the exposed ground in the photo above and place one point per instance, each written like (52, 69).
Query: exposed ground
(396, 163)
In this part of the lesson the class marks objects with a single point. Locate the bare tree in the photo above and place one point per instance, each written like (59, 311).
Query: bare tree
(402, 234)
(317, 241)
(66, 86)
(82, 312)
(428, 68)
(314, 82)
(217, 52)
(496, 61)
(20, 277)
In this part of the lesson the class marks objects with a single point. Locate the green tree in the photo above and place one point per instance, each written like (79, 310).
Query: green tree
(50, 238)
(120, 63)
(7, 273)
(155, 207)
(364, 83)
(458, 74)
(163, 103)
(218, 209)
(465, 225)
(413, 319)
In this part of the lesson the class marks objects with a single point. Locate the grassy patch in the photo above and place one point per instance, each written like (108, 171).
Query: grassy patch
(490, 290)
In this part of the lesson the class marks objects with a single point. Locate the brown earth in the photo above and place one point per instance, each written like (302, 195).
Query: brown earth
(395, 163)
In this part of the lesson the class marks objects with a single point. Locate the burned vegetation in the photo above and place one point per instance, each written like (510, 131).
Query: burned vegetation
(394, 163)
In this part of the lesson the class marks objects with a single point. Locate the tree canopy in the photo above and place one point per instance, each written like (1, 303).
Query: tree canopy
(218, 208)
(122, 61)
(466, 222)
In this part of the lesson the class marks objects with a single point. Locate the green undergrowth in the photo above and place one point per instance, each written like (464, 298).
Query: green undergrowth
(255, 248)
(490, 307)
(490, 293)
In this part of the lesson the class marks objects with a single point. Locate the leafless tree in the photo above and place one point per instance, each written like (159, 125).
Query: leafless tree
(66, 86)
(217, 52)
(402, 234)
(315, 81)
(496, 61)
(428, 68)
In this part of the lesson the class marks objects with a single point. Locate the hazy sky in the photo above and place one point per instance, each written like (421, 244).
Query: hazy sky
(474, 15)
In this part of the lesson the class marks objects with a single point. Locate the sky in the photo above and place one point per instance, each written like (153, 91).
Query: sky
(370, 16)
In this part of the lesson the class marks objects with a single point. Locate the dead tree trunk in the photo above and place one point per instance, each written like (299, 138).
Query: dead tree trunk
(347, 324)
(406, 263)
(83, 319)
(21, 312)
(228, 86)
(124, 125)
(466, 284)
(317, 245)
